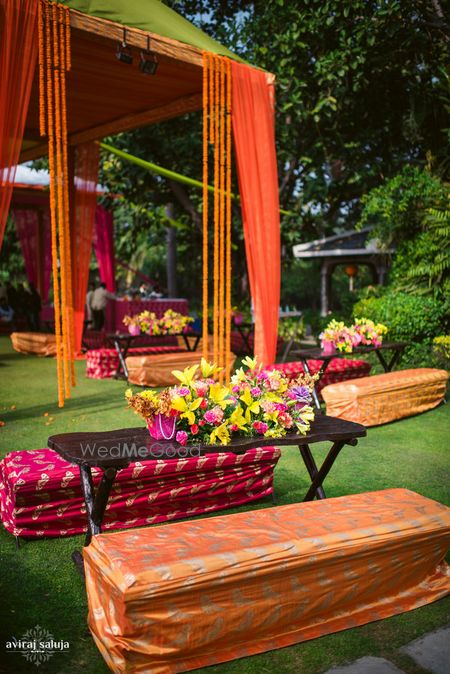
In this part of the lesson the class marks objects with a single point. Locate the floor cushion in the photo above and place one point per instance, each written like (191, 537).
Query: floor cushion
(386, 397)
(156, 370)
(339, 369)
(103, 363)
(192, 594)
(40, 493)
(37, 343)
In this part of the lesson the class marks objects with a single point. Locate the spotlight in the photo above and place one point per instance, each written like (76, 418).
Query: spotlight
(123, 52)
(148, 64)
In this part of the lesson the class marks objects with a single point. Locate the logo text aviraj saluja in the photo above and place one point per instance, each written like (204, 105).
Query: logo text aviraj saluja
(37, 645)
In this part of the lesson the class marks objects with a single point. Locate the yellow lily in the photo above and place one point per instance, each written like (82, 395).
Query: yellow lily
(251, 363)
(187, 376)
(209, 369)
(220, 433)
(237, 418)
(186, 408)
(252, 405)
(218, 394)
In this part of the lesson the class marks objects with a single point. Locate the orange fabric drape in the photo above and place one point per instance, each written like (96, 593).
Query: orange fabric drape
(82, 228)
(18, 52)
(254, 142)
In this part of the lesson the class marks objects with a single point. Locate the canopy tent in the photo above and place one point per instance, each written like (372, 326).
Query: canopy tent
(30, 211)
(105, 97)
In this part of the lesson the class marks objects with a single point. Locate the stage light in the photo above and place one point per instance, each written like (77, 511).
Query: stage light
(148, 64)
(123, 52)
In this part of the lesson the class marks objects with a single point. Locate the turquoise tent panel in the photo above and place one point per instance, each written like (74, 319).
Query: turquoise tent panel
(154, 17)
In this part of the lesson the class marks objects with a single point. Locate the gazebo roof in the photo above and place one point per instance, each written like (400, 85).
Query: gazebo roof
(348, 244)
(105, 96)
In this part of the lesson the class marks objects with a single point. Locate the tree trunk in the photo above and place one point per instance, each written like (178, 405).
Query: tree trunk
(171, 263)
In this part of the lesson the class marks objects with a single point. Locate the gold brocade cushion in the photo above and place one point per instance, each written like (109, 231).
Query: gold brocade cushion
(38, 343)
(382, 398)
(156, 370)
(187, 595)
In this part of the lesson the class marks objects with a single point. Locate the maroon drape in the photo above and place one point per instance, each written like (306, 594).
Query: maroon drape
(254, 143)
(18, 51)
(104, 247)
(34, 233)
(82, 228)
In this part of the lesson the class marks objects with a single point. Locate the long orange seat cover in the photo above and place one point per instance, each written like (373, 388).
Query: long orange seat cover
(186, 595)
(383, 398)
(38, 343)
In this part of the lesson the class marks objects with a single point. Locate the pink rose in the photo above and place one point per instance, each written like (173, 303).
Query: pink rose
(210, 417)
(182, 437)
(183, 391)
(255, 391)
(201, 388)
(234, 427)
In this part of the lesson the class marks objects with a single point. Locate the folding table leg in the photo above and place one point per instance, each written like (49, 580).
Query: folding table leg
(325, 469)
(96, 502)
(311, 466)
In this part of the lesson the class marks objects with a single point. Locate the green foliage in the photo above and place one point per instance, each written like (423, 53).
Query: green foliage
(411, 318)
(360, 89)
(397, 208)
(441, 348)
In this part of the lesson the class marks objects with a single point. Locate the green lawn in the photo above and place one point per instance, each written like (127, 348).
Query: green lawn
(38, 583)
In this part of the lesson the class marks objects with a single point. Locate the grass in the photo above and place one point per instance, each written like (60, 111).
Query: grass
(38, 583)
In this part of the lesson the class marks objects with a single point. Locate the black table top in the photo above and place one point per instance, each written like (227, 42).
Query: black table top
(317, 353)
(121, 447)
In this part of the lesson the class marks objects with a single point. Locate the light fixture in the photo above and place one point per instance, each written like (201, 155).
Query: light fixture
(123, 52)
(148, 64)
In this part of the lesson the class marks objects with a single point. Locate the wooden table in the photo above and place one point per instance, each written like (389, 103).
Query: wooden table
(112, 450)
(318, 354)
(123, 341)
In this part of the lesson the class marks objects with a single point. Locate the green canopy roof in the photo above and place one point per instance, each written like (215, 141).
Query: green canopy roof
(154, 17)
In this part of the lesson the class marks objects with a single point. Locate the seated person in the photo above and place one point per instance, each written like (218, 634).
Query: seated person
(6, 312)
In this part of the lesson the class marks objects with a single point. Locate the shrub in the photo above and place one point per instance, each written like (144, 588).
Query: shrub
(441, 349)
(411, 318)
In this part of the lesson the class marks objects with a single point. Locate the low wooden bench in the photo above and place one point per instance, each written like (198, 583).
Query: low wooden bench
(191, 594)
(36, 343)
(156, 370)
(376, 400)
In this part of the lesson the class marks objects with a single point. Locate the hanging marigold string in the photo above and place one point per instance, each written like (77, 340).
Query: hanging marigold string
(206, 72)
(216, 208)
(217, 135)
(41, 68)
(54, 29)
(221, 357)
(64, 18)
(228, 227)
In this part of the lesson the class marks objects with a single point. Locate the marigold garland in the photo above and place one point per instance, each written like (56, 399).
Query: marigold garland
(228, 228)
(205, 202)
(221, 355)
(216, 208)
(54, 60)
(65, 61)
(217, 134)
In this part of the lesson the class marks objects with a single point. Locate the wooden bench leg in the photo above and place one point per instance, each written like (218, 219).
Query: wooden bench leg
(324, 470)
(311, 467)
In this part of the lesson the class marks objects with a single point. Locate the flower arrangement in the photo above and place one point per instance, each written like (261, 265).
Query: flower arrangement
(171, 323)
(257, 402)
(339, 337)
(370, 333)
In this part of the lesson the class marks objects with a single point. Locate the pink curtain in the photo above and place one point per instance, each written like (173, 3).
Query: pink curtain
(254, 142)
(34, 233)
(82, 228)
(104, 247)
(18, 51)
